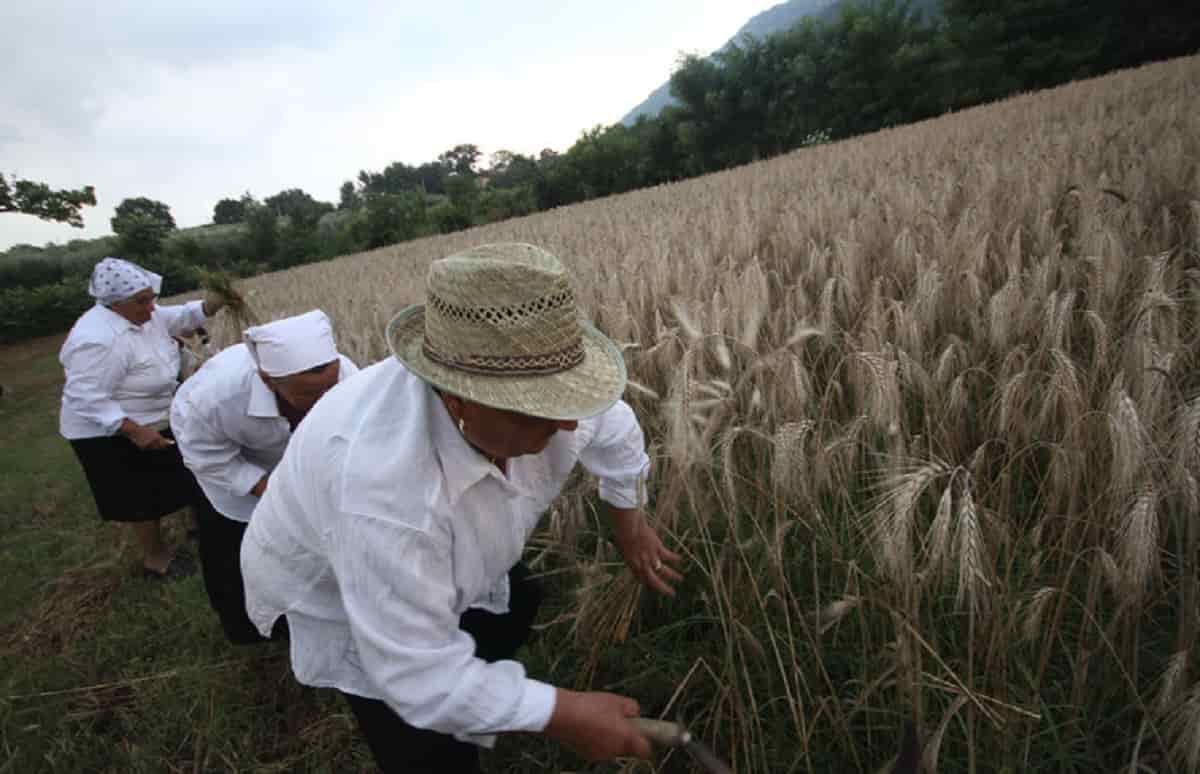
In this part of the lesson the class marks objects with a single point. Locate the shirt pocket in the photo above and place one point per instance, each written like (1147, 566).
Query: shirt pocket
(143, 377)
(142, 364)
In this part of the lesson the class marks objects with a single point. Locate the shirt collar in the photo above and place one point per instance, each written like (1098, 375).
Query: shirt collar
(115, 320)
(262, 400)
(462, 466)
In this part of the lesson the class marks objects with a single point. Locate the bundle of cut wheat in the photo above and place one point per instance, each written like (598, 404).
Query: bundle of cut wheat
(221, 284)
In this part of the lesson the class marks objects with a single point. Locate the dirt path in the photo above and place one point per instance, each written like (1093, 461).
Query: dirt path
(14, 355)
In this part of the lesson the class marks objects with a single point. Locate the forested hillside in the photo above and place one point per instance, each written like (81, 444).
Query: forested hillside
(854, 68)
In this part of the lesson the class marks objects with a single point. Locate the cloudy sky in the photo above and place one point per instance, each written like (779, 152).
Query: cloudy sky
(189, 102)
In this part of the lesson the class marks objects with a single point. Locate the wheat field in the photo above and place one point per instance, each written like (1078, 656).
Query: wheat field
(925, 415)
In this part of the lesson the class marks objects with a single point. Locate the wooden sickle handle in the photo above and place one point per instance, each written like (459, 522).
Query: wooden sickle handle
(662, 732)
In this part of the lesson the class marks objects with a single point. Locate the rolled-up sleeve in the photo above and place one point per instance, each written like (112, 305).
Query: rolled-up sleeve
(211, 455)
(181, 318)
(93, 370)
(397, 589)
(616, 455)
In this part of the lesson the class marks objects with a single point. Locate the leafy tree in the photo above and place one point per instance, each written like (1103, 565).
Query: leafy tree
(659, 141)
(141, 205)
(349, 197)
(511, 170)
(461, 159)
(1005, 46)
(881, 56)
(502, 203)
(42, 310)
(606, 161)
(559, 181)
(41, 201)
(461, 209)
(262, 236)
(696, 84)
(301, 209)
(141, 225)
(393, 218)
(297, 245)
(140, 235)
(432, 177)
(447, 218)
(229, 211)
(398, 177)
(187, 250)
(500, 161)
(30, 272)
(463, 191)
(1147, 30)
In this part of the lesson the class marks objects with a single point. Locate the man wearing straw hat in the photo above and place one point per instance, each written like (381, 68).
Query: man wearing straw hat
(392, 531)
(232, 421)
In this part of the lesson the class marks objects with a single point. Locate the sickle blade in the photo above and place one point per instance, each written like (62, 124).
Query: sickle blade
(705, 757)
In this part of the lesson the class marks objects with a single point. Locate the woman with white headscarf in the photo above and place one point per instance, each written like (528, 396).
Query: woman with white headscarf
(122, 368)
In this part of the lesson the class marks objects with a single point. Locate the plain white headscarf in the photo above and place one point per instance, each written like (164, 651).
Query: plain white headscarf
(115, 280)
(293, 344)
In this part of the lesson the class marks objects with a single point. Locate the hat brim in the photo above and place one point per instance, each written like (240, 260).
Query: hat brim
(584, 391)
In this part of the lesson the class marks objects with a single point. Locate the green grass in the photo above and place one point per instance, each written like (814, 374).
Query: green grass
(102, 671)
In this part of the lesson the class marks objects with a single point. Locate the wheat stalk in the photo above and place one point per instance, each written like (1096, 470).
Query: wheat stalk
(1183, 729)
(893, 518)
(972, 569)
(1128, 437)
(1031, 619)
(222, 285)
(1171, 682)
(1137, 546)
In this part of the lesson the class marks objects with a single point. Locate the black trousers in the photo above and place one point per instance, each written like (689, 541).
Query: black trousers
(220, 541)
(402, 749)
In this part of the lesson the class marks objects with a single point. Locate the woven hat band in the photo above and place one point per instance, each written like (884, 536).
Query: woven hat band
(517, 365)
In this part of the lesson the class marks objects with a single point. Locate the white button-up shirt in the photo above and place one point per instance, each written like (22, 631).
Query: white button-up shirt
(116, 369)
(381, 526)
(229, 429)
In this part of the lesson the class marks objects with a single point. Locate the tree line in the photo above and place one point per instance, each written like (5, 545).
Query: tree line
(873, 65)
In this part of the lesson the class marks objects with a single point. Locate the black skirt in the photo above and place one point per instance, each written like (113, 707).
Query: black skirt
(129, 484)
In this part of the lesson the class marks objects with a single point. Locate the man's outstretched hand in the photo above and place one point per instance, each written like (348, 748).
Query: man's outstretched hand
(651, 561)
(597, 725)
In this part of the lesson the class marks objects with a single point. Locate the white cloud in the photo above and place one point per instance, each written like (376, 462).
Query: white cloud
(191, 102)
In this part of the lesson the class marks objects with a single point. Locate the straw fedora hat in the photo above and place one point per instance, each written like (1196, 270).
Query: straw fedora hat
(500, 327)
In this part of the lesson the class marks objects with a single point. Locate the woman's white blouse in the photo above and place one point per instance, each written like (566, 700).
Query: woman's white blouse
(381, 526)
(116, 369)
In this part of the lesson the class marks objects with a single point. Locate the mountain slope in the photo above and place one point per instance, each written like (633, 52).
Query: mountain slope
(775, 19)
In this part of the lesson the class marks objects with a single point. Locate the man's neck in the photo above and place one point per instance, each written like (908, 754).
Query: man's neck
(288, 411)
(499, 462)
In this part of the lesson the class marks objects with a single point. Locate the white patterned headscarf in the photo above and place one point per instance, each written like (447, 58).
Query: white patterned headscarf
(115, 280)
